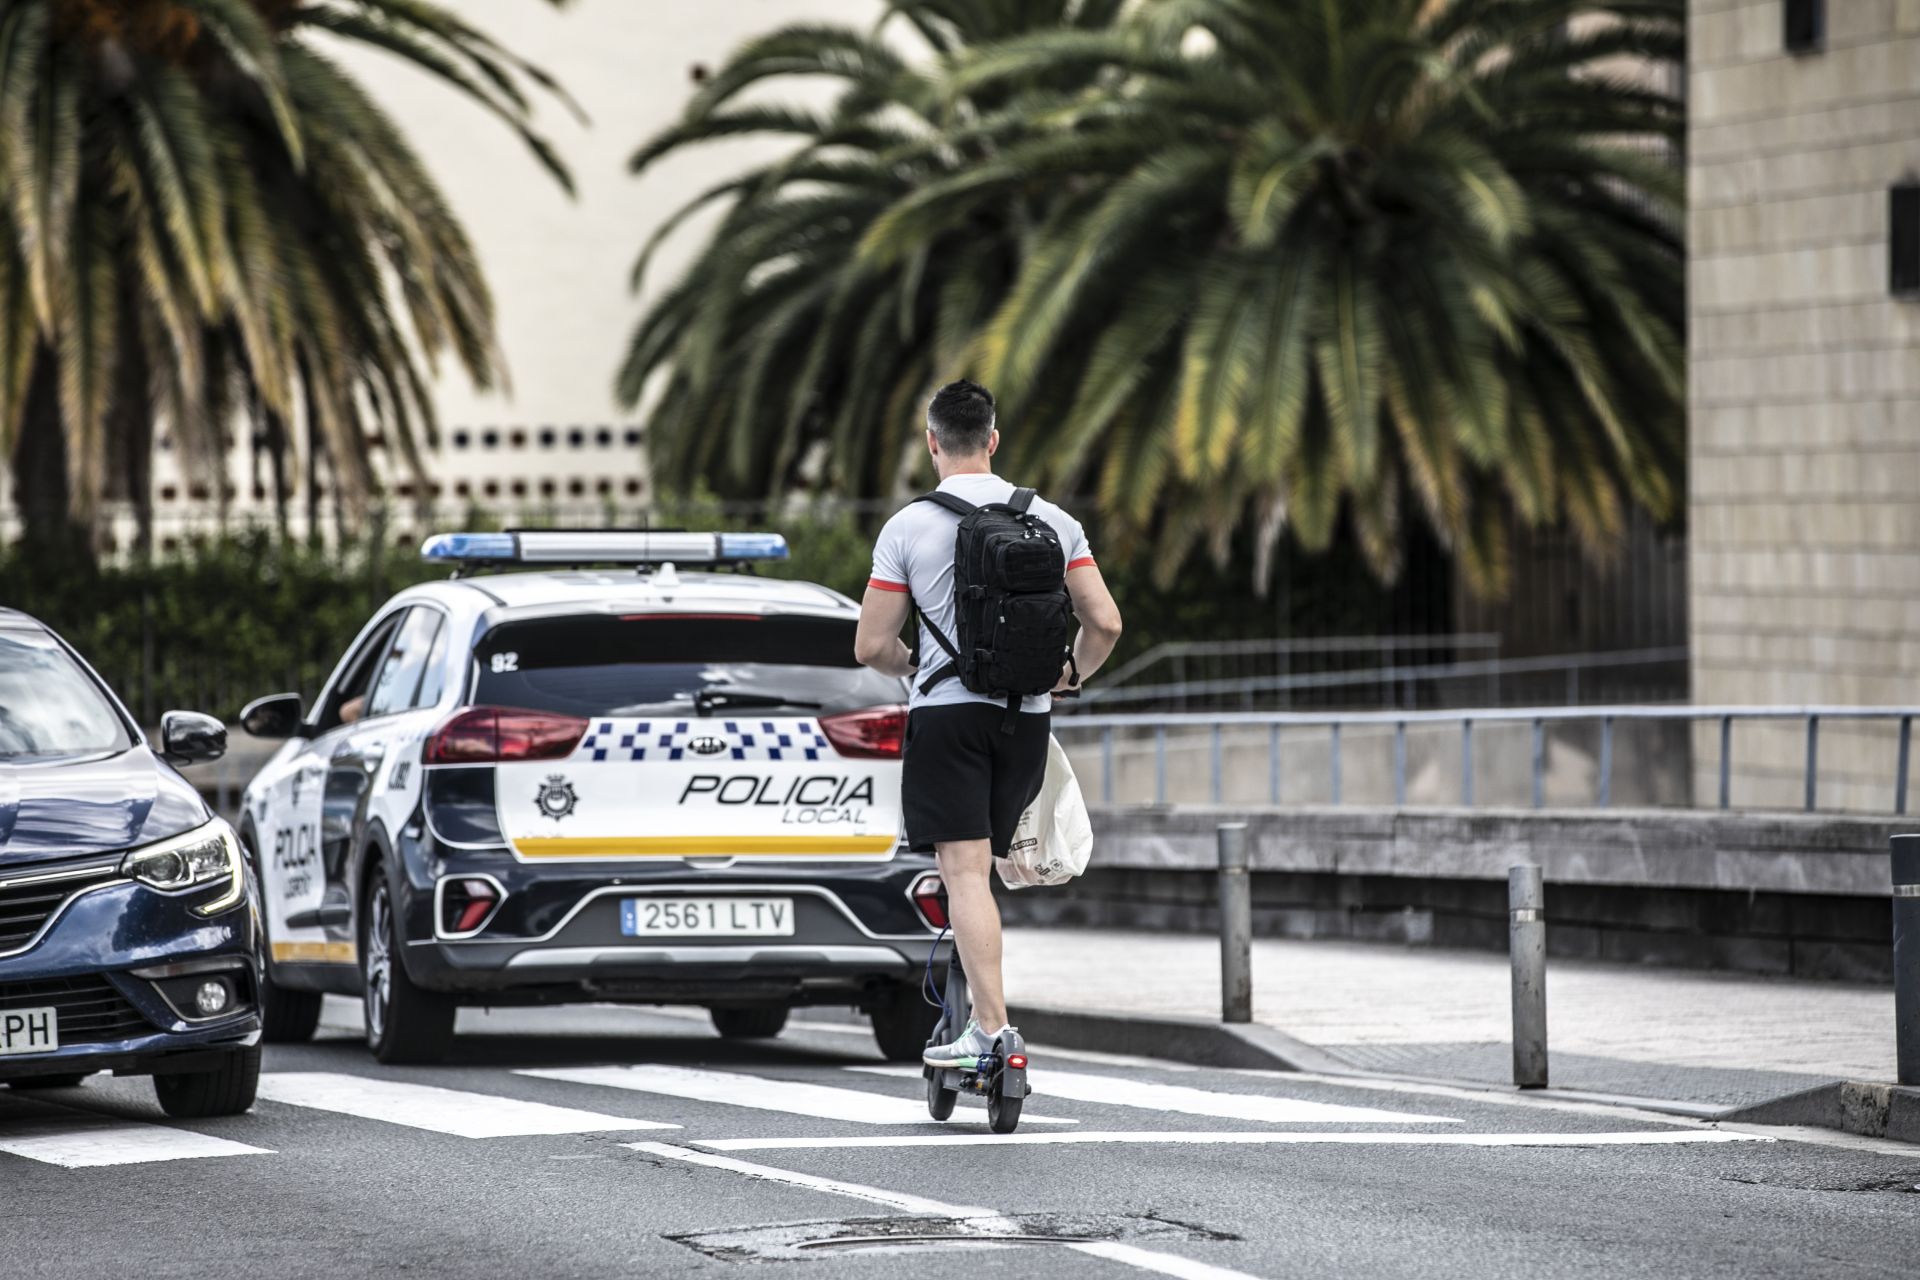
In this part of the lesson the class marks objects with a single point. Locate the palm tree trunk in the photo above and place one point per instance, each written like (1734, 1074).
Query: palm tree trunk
(40, 489)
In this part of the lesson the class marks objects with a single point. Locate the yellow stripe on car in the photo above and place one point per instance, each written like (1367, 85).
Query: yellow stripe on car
(700, 846)
(314, 953)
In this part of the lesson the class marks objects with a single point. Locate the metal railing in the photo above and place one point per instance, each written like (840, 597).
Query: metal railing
(1107, 725)
(1400, 685)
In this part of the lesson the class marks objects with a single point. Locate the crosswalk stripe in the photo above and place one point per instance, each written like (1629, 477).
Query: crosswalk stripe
(92, 1142)
(1266, 1137)
(422, 1106)
(1120, 1091)
(822, 1102)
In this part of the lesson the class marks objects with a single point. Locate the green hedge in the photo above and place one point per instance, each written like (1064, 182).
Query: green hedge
(218, 622)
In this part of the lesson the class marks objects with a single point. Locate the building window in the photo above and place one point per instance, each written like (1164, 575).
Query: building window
(633, 437)
(489, 439)
(633, 488)
(519, 488)
(517, 439)
(547, 437)
(576, 438)
(1903, 240)
(1806, 25)
(576, 487)
(548, 488)
(603, 437)
(491, 488)
(461, 439)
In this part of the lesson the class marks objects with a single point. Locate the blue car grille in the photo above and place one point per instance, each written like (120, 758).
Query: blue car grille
(91, 1010)
(25, 908)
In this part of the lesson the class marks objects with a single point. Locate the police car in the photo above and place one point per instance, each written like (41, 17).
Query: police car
(607, 767)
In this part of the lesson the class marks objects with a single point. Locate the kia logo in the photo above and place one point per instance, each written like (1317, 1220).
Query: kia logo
(708, 746)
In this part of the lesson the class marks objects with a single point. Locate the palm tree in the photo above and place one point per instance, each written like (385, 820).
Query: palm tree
(1314, 255)
(200, 212)
(783, 357)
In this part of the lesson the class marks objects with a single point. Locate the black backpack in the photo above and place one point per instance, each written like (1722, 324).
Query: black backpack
(1015, 619)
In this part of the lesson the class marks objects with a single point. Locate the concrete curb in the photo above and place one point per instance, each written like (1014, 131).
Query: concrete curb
(1192, 1040)
(1869, 1110)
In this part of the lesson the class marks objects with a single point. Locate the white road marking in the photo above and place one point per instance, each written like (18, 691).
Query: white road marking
(92, 1142)
(873, 1195)
(1120, 1091)
(1204, 1137)
(823, 1102)
(421, 1106)
(989, 1222)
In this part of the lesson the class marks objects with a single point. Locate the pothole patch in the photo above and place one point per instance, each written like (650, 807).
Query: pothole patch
(800, 1241)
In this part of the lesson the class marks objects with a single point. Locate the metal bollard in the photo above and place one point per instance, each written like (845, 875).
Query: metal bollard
(1906, 958)
(1236, 925)
(1527, 949)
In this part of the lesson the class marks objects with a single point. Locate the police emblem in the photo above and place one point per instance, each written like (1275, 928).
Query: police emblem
(556, 798)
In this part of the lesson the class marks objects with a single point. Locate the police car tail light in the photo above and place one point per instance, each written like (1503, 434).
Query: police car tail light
(878, 733)
(466, 904)
(929, 894)
(486, 735)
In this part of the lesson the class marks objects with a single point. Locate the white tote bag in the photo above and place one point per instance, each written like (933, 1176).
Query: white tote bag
(1054, 839)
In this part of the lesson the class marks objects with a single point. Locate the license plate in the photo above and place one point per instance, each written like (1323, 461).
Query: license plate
(29, 1030)
(706, 917)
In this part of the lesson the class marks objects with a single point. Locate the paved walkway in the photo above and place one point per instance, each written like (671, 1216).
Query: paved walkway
(1679, 1034)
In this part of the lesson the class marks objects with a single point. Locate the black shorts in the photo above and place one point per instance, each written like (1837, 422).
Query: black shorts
(963, 779)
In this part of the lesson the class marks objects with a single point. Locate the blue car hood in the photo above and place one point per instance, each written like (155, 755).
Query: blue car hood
(92, 804)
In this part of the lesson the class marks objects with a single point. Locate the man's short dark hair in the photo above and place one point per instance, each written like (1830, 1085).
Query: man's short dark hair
(961, 417)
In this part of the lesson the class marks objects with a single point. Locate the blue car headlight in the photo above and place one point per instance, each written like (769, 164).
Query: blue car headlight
(206, 855)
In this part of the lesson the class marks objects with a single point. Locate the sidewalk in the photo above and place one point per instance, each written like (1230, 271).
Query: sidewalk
(1682, 1035)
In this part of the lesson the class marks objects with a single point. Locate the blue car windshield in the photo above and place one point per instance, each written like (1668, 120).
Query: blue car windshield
(49, 706)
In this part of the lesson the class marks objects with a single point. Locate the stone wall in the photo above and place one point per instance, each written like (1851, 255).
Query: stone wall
(1760, 893)
(1804, 386)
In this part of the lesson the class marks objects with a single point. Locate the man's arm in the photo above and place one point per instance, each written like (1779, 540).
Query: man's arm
(1099, 621)
(877, 642)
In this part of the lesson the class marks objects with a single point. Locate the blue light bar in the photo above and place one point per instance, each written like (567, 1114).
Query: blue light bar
(561, 546)
(461, 547)
(753, 546)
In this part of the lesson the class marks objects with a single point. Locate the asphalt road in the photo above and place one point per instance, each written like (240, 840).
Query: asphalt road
(798, 1156)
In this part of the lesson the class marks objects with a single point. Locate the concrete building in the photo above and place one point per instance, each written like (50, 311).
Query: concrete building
(1804, 390)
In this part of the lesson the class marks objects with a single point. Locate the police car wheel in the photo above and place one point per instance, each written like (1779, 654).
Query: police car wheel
(50, 1082)
(902, 1024)
(227, 1090)
(405, 1023)
(287, 1016)
(758, 1022)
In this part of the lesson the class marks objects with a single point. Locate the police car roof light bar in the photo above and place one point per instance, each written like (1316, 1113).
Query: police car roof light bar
(555, 547)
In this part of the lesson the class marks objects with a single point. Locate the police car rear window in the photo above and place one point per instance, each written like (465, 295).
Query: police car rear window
(590, 665)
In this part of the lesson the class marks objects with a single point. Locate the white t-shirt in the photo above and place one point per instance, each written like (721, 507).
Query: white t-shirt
(915, 553)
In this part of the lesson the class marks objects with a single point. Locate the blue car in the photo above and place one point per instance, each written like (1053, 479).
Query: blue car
(129, 923)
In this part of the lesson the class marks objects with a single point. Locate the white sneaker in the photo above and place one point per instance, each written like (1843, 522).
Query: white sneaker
(964, 1053)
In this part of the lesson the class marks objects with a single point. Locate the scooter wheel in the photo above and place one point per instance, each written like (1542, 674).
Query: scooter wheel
(1003, 1112)
(940, 1100)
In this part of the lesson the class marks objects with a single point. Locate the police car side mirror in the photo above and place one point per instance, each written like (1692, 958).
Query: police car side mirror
(187, 737)
(275, 716)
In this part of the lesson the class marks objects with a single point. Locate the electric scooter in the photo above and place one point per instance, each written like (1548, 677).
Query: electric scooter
(1001, 1074)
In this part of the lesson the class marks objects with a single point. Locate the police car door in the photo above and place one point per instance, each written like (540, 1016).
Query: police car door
(308, 906)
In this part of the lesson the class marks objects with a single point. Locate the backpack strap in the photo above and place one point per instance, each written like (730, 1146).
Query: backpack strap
(951, 501)
(1021, 500)
(946, 670)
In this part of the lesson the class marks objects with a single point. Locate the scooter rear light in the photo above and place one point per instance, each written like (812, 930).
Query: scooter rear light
(487, 735)
(929, 895)
(876, 733)
(1017, 1060)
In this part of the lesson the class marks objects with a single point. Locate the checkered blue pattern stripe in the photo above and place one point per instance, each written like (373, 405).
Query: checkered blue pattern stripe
(631, 740)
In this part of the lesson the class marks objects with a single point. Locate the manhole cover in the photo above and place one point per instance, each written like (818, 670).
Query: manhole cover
(787, 1242)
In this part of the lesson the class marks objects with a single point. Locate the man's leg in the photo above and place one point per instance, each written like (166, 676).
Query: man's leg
(964, 866)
